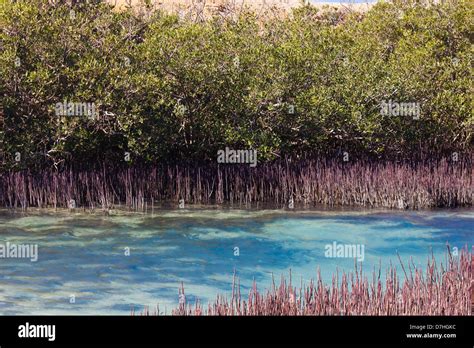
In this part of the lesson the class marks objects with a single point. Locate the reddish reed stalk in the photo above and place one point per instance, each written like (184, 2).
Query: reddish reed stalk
(389, 185)
(438, 291)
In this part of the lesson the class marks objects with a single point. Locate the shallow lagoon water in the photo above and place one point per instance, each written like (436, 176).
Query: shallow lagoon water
(83, 254)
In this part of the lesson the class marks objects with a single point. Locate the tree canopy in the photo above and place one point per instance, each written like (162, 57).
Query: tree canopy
(168, 89)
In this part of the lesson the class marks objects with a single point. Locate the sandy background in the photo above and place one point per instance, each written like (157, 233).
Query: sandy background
(259, 5)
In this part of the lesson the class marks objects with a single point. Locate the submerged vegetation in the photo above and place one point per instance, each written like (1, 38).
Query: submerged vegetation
(308, 91)
(441, 290)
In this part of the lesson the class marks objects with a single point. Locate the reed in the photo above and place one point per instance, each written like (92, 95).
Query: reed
(440, 290)
(305, 182)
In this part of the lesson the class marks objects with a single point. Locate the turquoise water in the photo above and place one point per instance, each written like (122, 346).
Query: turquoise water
(84, 255)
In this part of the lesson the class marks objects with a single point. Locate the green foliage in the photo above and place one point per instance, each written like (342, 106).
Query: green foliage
(169, 89)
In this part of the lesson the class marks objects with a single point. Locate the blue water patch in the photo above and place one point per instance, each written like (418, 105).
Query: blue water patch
(108, 264)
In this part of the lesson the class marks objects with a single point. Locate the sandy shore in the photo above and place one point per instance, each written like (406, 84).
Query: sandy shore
(258, 5)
